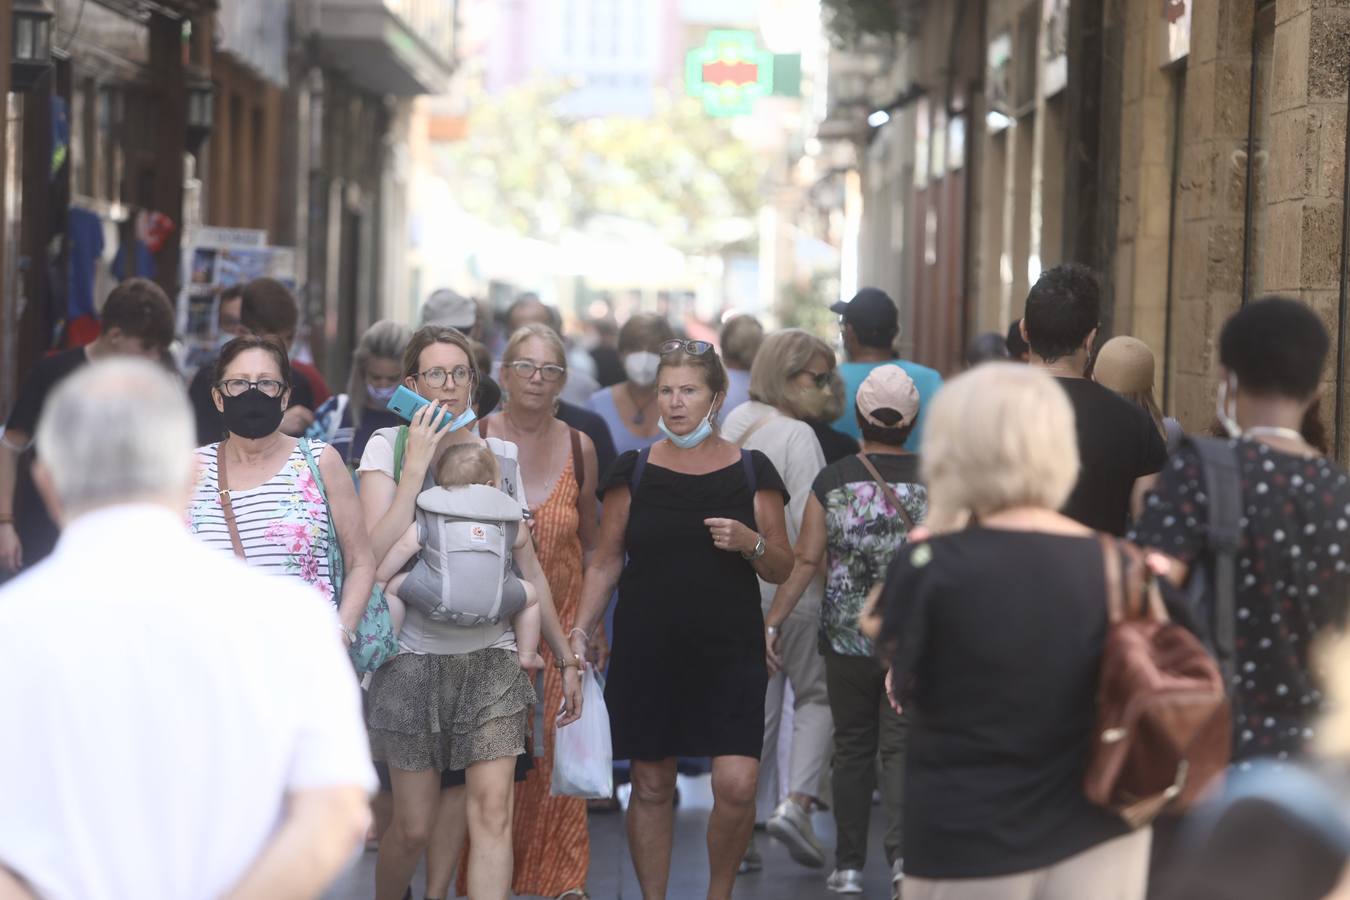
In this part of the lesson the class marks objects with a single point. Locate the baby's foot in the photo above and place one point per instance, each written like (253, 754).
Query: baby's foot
(530, 660)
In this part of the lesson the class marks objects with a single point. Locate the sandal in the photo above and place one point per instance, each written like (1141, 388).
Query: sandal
(574, 894)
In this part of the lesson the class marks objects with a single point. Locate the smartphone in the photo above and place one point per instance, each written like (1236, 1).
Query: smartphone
(406, 403)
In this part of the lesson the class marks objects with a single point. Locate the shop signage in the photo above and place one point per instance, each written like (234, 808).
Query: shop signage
(729, 73)
(1177, 24)
(1054, 47)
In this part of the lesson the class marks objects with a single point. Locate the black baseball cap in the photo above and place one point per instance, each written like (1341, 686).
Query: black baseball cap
(871, 309)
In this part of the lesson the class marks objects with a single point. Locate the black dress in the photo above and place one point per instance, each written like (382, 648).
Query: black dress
(687, 675)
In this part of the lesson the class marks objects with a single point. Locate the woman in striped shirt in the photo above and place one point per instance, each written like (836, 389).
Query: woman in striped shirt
(261, 479)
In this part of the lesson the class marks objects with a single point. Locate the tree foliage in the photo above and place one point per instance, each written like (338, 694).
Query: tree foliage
(525, 166)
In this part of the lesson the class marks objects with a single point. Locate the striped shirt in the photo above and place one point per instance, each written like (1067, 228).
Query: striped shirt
(283, 522)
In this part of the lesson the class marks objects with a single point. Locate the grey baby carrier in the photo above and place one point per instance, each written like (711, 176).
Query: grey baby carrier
(463, 574)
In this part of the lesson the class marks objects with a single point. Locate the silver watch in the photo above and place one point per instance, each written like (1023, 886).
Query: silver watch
(756, 553)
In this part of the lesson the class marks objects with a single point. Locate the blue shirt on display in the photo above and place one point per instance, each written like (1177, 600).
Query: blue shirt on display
(927, 380)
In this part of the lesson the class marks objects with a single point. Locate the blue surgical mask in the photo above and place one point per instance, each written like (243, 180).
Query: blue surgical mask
(693, 438)
(462, 419)
(380, 396)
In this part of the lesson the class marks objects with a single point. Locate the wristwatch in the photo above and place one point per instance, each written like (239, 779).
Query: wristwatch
(771, 630)
(574, 662)
(756, 553)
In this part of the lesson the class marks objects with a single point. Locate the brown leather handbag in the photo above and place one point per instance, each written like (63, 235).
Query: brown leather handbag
(1163, 721)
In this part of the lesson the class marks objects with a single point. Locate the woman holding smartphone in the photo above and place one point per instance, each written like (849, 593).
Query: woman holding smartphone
(457, 699)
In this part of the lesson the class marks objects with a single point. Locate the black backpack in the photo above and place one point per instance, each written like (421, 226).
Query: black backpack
(1209, 598)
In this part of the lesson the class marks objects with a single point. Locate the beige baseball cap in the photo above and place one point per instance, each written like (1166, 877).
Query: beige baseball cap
(888, 387)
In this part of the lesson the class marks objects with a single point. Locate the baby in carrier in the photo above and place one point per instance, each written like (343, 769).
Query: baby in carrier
(462, 536)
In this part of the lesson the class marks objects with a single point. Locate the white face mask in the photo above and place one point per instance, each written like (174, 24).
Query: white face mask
(1226, 406)
(640, 367)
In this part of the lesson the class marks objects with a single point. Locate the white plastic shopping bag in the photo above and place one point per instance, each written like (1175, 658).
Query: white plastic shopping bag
(583, 757)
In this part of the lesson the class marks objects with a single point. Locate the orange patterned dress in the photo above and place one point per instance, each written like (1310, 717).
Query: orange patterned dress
(550, 836)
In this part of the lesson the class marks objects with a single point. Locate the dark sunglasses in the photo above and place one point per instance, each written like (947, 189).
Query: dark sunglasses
(822, 379)
(693, 348)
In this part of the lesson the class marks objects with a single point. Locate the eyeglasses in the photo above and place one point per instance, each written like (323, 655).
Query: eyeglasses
(436, 377)
(822, 379)
(549, 371)
(233, 387)
(693, 348)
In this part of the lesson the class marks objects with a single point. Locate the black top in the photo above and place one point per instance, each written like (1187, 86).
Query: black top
(594, 427)
(687, 675)
(210, 427)
(998, 637)
(1117, 443)
(834, 444)
(37, 531)
(1292, 579)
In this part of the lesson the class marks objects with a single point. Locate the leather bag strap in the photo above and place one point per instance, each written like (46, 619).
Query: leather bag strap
(578, 472)
(1131, 589)
(223, 494)
(886, 489)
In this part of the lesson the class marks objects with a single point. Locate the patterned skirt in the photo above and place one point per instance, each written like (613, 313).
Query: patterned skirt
(426, 711)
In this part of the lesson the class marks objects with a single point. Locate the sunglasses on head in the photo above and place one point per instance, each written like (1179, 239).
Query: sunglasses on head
(693, 348)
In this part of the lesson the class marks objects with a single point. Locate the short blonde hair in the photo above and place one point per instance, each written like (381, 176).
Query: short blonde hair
(741, 339)
(782, 355)
(998, 436)
(534, 330)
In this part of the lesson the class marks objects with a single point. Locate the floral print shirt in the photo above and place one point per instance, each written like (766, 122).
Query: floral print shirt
(283, 522)
(863, 534)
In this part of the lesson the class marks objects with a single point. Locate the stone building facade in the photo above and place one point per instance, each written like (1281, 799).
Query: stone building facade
(1193, 151)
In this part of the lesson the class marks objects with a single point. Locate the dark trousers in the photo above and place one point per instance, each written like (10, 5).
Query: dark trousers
(864, 725)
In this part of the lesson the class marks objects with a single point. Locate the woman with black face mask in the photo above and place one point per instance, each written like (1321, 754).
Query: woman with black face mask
(257, 495)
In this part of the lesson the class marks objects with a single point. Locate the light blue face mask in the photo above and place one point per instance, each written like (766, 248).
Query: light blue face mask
(700, 434)
(461, 420)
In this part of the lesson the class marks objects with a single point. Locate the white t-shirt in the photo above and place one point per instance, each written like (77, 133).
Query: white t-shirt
(158, 701)
(379, 457)
(795, 452)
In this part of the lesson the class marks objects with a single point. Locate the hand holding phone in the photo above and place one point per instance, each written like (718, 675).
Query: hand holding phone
(406, 403)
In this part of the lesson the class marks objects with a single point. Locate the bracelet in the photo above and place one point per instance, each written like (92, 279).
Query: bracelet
(582, 633)
(6, 518)
(564, 663)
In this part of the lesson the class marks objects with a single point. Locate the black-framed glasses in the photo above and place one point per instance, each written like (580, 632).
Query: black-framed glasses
(548, 371)
(693, 348)
(437, 376)
(822, 379)
(233, 387)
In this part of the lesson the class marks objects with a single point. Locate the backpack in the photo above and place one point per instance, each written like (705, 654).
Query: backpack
(466, 535)
(1210, 595)
(1163, 720)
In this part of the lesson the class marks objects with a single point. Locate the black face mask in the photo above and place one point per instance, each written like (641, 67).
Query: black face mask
(252, 414)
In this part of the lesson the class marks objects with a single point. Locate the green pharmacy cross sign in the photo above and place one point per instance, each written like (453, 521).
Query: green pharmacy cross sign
(729, 73)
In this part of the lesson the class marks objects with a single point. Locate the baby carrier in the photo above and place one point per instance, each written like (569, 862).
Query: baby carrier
(463, 574)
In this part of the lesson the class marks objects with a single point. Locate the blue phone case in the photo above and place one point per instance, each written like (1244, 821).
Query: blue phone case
(405, 403)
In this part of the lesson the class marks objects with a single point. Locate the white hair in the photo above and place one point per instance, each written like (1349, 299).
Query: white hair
(999, 436)
(114, 432)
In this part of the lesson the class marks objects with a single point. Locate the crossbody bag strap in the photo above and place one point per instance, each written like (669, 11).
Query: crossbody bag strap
(1223, 537)
(886, 489)
(400, 449)
(578, 470)
(336, 565)
(223, 494)
(754, 426)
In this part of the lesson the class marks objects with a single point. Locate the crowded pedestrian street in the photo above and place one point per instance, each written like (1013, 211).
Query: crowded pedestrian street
(675, 449)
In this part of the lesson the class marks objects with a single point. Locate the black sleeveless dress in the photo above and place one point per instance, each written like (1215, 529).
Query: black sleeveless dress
(687, 676)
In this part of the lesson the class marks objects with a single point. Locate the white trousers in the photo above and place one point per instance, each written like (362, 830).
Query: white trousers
(812, 725)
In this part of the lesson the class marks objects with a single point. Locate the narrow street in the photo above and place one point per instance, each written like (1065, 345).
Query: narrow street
(612, 872)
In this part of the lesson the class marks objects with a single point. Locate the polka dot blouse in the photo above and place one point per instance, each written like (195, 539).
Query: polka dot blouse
(1292, 580)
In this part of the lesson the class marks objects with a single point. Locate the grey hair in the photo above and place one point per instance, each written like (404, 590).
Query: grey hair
(116, 431)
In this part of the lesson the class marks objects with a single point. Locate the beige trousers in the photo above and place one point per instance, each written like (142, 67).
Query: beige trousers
(1115, 870)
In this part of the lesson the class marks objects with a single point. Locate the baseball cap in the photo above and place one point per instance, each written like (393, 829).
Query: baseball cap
(886, 392)
(450, 310)
(871, 309)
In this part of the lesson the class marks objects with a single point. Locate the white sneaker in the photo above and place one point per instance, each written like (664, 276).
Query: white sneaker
(845, 881)
(792, 825)
(897, 876)
(752, 861)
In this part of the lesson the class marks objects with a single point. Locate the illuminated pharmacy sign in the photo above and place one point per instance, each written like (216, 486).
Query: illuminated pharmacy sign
(729, 73)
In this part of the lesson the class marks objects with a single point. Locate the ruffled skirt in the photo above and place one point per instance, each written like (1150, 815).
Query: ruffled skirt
(426, 711)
